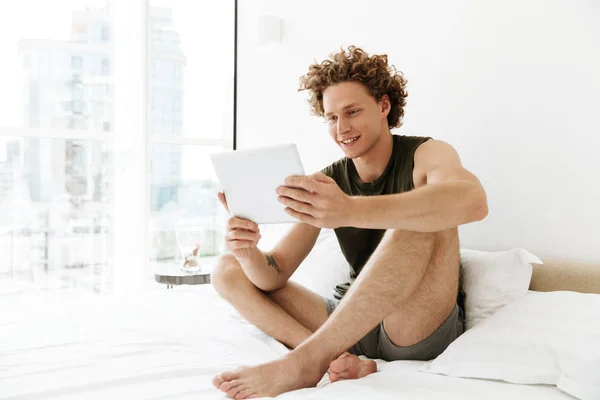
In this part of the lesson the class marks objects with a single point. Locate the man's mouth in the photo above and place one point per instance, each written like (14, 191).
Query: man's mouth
(349, 141)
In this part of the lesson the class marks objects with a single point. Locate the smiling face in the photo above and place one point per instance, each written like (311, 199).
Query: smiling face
(355, 119)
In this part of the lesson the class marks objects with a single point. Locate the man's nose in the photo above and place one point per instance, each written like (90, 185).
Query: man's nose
(343, 126)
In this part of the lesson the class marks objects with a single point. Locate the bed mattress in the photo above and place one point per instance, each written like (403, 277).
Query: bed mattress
(169, 344)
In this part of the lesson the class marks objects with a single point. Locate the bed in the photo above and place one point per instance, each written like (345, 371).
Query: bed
(169, 344)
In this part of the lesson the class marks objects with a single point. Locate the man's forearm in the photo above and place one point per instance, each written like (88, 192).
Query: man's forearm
(263, 270)
(430, 208)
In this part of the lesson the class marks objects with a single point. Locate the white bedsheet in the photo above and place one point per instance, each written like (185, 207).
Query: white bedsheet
(169, 345)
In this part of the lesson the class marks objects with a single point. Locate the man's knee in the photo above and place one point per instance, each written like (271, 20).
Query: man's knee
(280, 294)
(227, 274)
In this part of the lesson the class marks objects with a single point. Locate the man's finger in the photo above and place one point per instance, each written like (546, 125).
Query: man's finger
(241, 244)
(304, 182)
(300, 217)
(321, 177)
(223, 201)
(296, 194)
(234, 223)
(239, 234)
(296, 205)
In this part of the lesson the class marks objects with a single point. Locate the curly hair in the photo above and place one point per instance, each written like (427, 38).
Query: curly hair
(356, 65)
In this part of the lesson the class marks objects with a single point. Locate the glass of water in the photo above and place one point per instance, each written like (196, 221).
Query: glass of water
(190, 240)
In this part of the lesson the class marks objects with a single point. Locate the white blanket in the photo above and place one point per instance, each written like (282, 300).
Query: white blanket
(170, 344)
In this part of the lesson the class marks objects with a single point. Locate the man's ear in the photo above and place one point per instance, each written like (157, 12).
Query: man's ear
(385, 105)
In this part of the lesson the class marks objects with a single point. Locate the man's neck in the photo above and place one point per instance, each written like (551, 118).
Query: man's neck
(371, 165)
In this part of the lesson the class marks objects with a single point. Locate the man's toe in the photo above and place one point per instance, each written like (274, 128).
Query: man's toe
(333, 377)
(227, 386)
(339, 365)
(234, 391)
(243, 394)
(229, 376)
(217, 381)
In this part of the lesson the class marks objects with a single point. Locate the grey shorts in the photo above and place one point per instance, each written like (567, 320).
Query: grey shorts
(377, 345)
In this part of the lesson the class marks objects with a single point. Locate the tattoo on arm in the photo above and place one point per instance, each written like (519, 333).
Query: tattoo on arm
(271, 261)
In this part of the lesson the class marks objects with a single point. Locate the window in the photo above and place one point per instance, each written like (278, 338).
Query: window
(75, 123)
(188, 194)
(181, 37)
(76, 62)
(93, 184)
(77, 93)
(77, 106)
(105, 66)
(104, 35)
(55, 224)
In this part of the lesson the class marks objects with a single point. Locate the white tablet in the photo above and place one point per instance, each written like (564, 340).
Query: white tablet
(249, 178)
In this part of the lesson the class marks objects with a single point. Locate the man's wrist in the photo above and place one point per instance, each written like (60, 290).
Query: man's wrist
(252, 261)
(355, 211)
(250, 257)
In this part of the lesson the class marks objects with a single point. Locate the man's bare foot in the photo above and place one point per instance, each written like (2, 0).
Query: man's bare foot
(271, 379)
(349, 366)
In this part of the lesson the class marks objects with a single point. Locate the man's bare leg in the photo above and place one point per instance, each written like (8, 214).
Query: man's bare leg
(290, 314)
(423, 312)
(434, 299)
(391, 276)
(290, 322)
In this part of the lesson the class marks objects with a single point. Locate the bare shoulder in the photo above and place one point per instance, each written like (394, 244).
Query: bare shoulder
(430, 155)
(433, 151)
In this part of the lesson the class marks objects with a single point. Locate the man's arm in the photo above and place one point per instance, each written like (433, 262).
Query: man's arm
(446, 195)
(271, 270)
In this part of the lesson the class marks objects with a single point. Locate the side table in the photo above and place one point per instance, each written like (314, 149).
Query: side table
(172, 274)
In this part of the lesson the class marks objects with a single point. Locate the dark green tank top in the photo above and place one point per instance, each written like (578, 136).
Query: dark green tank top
(358, 244)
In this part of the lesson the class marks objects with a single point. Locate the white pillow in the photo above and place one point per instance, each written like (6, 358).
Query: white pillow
(492, 280)
(529, 341)
(579, 366)
(324, 267)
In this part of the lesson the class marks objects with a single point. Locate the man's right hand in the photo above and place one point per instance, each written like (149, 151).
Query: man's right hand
(242, 235)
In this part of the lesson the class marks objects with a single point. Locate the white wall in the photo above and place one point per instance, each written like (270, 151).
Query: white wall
(513, 85)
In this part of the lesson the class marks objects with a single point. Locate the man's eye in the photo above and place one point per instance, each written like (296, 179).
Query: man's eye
(352, 112)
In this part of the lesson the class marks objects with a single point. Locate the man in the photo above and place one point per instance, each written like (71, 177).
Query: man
(395, 203)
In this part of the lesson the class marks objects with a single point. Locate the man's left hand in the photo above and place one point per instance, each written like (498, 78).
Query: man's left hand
(316, 200)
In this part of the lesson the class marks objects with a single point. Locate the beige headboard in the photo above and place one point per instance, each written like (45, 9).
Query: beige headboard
(556, 275)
